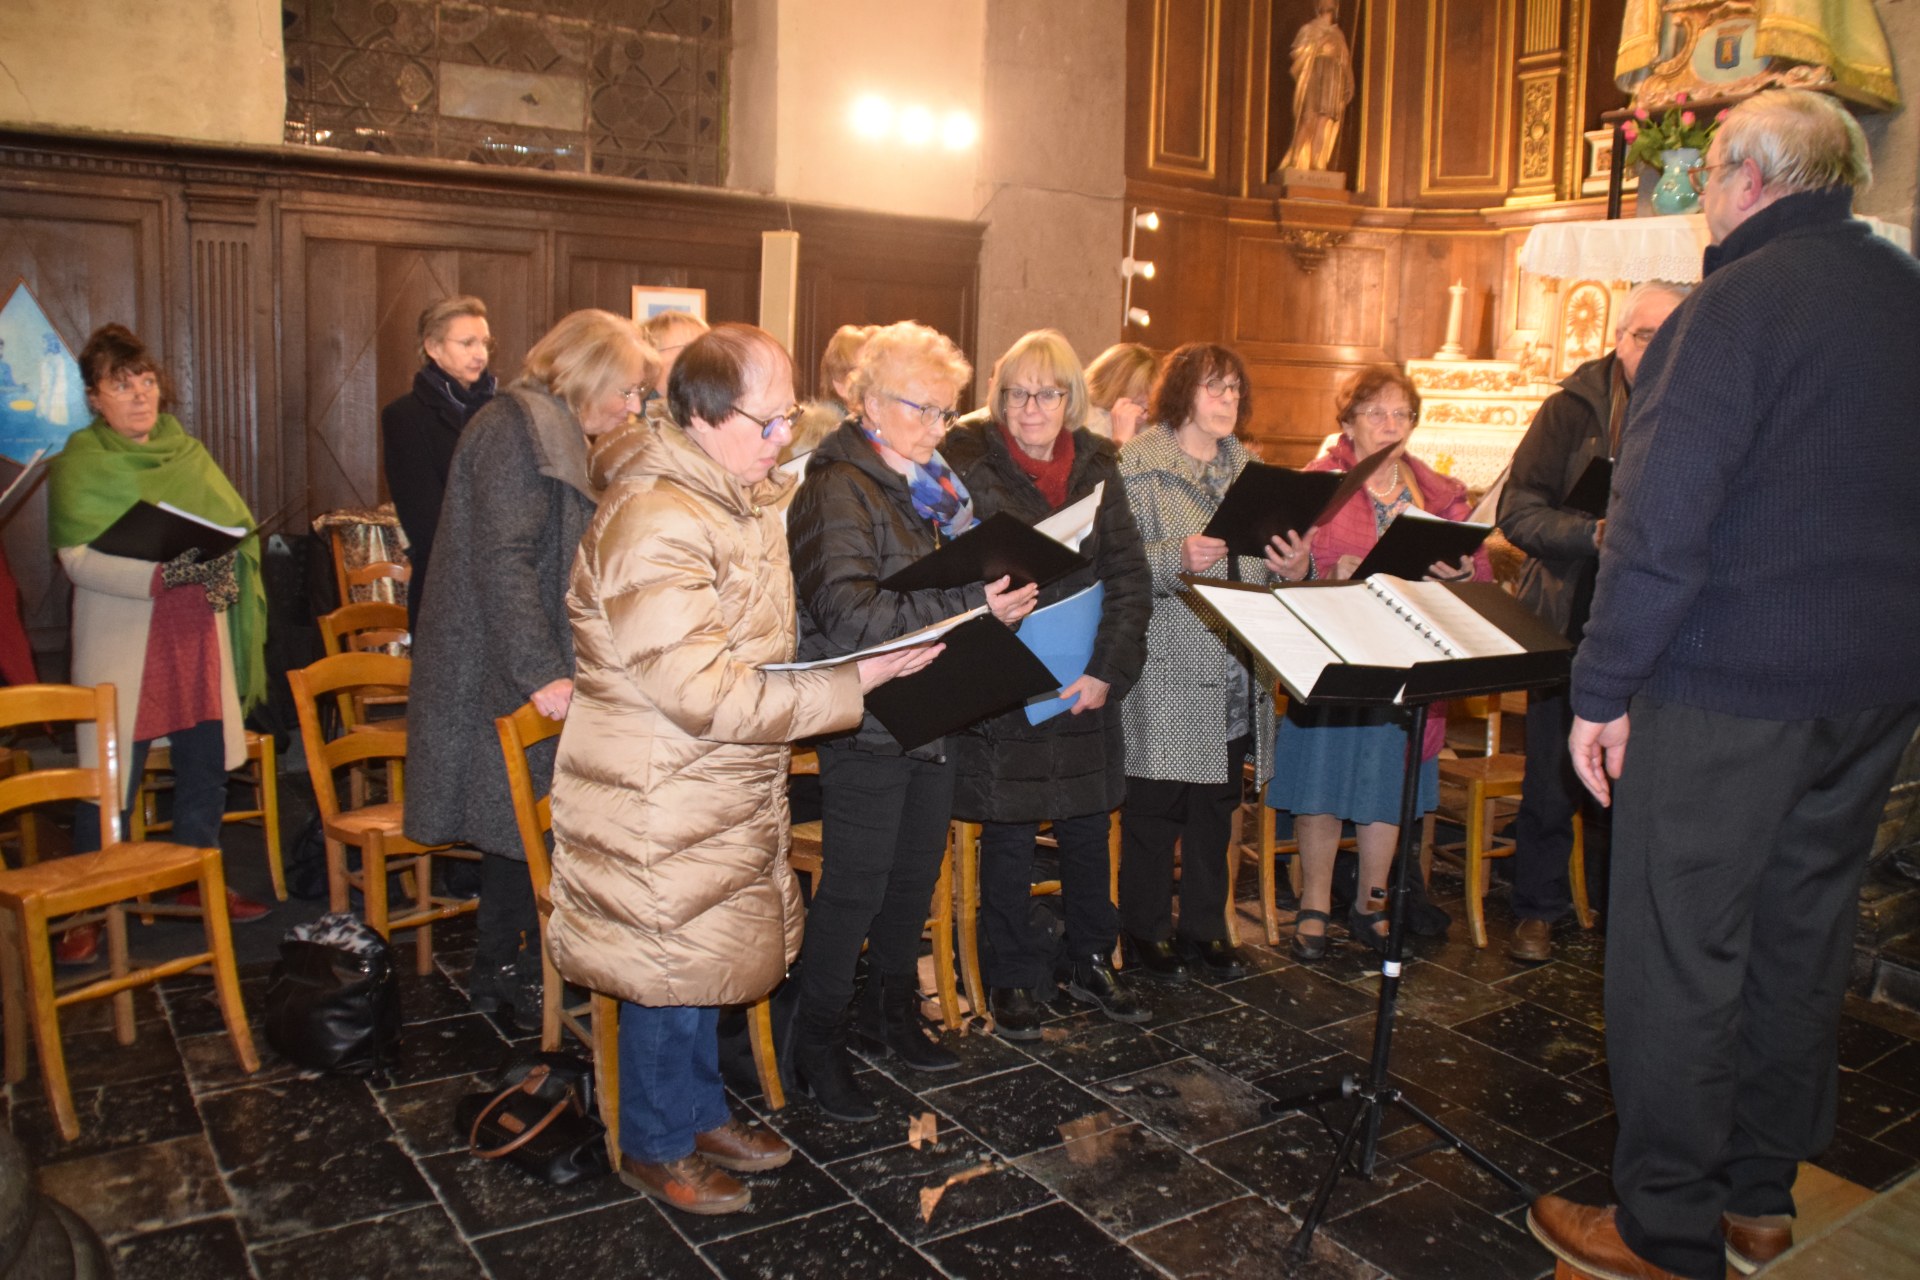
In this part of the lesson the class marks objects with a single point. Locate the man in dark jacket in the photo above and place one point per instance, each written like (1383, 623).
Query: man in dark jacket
(1577, 424)
(1756, 625)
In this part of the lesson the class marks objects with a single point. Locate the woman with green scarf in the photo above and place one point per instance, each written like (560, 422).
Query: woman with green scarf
(183, 642)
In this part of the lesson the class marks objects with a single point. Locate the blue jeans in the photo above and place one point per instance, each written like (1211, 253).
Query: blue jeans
(199, 790)
(670, 1086)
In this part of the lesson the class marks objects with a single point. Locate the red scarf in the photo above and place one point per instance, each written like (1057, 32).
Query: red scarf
(1050, 476)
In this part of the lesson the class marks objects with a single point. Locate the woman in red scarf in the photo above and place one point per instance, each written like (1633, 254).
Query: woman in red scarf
(1344, 764)
(1031, 458)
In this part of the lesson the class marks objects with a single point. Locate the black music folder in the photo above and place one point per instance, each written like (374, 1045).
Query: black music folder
(1415, 540)
(161, 531)
(985, 670)
(1590, 492)
(1265, 501)
(1385, 640)
(999, 546)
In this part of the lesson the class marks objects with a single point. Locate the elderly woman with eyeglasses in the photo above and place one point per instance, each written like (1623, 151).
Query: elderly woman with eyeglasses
(1032, 457)
(493, 631)
(879, 496)
(1197, 710)
(1345, 764)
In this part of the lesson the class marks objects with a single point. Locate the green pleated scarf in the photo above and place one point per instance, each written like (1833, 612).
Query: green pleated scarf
(99, 476)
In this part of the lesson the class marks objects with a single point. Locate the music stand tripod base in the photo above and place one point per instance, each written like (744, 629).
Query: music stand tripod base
(1373, 1095)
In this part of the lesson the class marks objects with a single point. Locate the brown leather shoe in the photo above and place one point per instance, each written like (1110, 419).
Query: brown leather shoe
(1532, 941)
(689, 1184)
(1754, 1242)
(744, 1148)
(1587, 1238)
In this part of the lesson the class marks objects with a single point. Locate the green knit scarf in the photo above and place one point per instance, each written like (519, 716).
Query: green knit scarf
(99, 476)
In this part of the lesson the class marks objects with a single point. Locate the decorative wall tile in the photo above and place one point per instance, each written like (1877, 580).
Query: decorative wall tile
(613, 87)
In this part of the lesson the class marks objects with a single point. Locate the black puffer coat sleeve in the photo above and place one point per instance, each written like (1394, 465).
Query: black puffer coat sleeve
(1120, 562)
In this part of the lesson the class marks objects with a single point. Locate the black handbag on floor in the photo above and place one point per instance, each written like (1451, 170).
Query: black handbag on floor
(541, 1118)
(333, 1002)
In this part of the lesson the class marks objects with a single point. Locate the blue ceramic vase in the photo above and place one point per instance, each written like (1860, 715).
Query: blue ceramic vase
(1674, 192)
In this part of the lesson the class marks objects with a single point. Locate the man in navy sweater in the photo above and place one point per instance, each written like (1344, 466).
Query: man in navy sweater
(1747, 683)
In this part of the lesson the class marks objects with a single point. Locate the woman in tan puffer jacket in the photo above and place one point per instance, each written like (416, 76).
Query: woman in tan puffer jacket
(671, 888)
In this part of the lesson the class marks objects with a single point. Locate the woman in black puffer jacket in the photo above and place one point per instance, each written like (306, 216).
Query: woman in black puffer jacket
(1030, 459)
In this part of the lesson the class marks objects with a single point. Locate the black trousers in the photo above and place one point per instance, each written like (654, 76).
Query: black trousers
(1198, 816)
(1550, 796)
(883, 833)
(1738, 849)
(1014, 954)
(507, 915)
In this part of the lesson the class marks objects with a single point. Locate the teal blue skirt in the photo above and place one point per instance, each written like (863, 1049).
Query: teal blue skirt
(1346, 761)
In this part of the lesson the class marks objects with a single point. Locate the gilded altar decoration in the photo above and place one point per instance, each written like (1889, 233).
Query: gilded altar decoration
(1322, 88)
(1731, 48)
(1473, 414)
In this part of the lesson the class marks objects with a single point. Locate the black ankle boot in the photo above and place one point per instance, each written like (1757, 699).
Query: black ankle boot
(890, 1023)
(823, 1068)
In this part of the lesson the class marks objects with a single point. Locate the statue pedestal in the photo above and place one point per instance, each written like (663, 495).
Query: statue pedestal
(1313, 184)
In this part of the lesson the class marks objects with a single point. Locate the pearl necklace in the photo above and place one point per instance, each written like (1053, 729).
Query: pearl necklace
(1393, 483)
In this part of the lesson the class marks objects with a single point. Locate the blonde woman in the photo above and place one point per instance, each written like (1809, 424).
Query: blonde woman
(878, 496)
(493, 630)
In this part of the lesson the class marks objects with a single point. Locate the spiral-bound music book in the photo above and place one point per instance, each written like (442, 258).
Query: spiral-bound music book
(1387, 639)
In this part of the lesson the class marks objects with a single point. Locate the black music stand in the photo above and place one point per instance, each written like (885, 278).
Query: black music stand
(1374, 1094)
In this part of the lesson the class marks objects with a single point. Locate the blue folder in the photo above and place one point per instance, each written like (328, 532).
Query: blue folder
(1061, 636)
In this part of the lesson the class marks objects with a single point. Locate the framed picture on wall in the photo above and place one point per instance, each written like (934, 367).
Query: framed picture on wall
(650, 300)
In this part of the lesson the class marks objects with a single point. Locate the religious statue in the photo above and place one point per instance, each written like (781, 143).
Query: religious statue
(1732, 48)
(1322, 88)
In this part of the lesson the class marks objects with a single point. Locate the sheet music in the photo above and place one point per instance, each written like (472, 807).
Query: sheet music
(1286, 642)
(1354, 626)
(1070, 525)
(1458, 624)
(925, 635)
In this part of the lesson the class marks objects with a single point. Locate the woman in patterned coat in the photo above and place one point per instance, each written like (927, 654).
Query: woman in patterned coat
(1197, 709)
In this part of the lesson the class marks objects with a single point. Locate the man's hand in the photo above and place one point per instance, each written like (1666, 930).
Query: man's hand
(1598, 752)
(553, 698)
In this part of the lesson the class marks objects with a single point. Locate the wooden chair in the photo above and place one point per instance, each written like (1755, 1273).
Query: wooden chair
(382, 580)
(1485, 780)
(261, 773)
(373, 626)
(374, 829)
(966, 838)
(51, 897)
(26, 834)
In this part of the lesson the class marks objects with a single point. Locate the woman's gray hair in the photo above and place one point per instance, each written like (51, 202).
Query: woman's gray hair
(897, 354)
(588, 355)
(1799, 140)
(1047, 355)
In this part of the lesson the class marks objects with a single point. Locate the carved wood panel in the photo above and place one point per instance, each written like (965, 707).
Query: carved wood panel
(1341, 304)
(1184, 88)
(1469, 82)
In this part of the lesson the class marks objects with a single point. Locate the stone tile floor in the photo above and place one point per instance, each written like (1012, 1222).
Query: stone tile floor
(1114, 1151)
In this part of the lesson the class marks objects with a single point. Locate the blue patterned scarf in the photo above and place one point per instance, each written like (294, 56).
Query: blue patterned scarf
(938, 494)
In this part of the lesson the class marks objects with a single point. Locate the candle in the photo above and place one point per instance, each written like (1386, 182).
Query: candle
(1456, 318)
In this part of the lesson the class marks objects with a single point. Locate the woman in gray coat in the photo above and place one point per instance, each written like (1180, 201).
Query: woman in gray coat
(1198, 708)
(493, 630)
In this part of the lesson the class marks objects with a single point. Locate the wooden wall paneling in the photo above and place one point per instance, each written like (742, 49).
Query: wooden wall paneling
(1183, 69)
(232, 323)
(1540, 75)
(341, 315)
(94, 252)
(1293, 409)
(1191, 295)
(516, 290)
(1337, 310)
(1432, 261)
(1469, 84)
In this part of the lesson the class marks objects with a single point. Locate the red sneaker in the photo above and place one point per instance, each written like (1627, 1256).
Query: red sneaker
(240, 908)
(78, 947)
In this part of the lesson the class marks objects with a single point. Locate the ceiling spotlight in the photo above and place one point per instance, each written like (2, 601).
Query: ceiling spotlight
(957, 131)
(872, 117)
(916, 126)
(1139, 316)
(1148, 221)
(1130, 267)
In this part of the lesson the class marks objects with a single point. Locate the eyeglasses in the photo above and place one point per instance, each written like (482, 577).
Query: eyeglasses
(1698, 174)
(1641, 337)
(125, 388)
(769, 427)
(1048, 397)
(1223, 387)
(1379, 417)
(929, 414)
(639, 393)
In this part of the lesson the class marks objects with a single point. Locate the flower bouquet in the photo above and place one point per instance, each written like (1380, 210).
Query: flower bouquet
(1679, 127)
